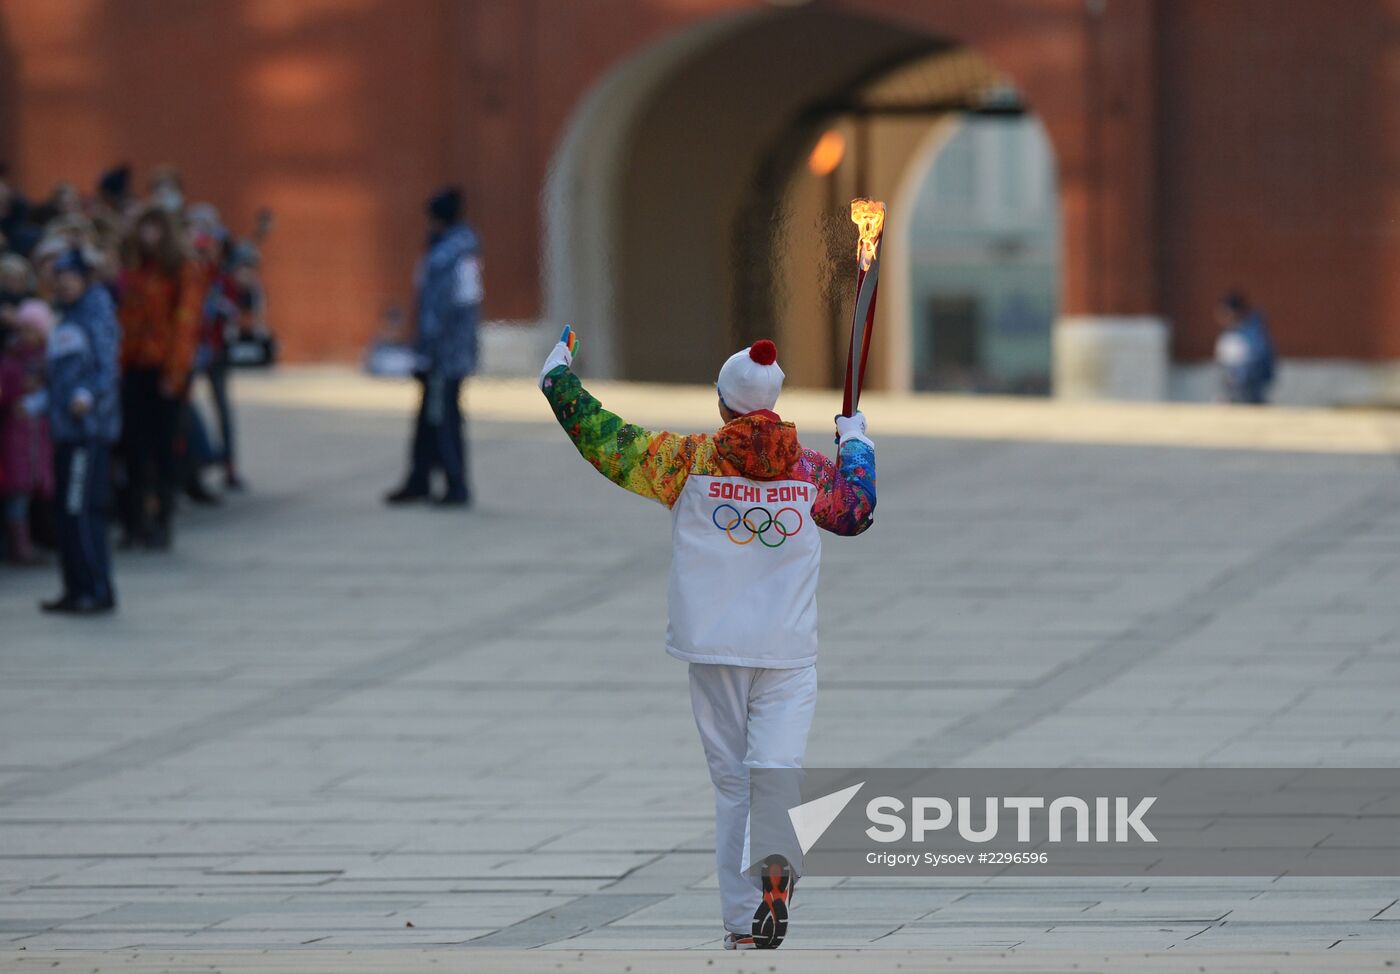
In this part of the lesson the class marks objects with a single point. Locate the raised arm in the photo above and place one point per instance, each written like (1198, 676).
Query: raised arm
(654, 465)
(845, 489)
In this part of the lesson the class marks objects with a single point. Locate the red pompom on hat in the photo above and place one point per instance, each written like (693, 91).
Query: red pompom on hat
(763, 352)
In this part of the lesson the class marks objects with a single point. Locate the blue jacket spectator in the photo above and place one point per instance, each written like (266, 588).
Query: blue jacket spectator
(445, 348)
(84, 418)
(1244, 352)
(449, 303)
(82, 364)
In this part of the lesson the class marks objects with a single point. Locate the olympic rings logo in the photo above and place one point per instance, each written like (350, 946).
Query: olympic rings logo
(758, 523)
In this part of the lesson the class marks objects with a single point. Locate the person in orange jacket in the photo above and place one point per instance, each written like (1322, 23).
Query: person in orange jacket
(162, 290)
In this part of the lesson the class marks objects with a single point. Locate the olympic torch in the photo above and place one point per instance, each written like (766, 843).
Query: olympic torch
(869, 218)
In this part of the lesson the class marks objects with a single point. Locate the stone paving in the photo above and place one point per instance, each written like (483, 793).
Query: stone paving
(323, 724)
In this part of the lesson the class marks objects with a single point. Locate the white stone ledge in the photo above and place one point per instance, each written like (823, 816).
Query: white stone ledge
(1110, 357)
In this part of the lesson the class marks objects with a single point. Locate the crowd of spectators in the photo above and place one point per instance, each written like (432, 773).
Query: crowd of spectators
(179, 289)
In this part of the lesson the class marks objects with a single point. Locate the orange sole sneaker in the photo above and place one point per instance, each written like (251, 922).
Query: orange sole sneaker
(770, 920)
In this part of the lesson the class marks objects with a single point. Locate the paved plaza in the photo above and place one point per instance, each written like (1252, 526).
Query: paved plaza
(325, 735)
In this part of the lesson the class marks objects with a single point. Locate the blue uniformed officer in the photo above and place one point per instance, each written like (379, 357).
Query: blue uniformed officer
(84, 419)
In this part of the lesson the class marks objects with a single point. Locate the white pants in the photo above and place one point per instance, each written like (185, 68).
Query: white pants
(747, 718)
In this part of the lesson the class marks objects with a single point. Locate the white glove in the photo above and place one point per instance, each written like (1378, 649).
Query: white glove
(561, 354)
(852, 428)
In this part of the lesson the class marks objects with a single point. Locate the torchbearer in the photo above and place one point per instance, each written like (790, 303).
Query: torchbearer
(745, 504)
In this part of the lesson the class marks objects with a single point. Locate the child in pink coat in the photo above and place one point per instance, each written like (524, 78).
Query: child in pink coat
(26, 454)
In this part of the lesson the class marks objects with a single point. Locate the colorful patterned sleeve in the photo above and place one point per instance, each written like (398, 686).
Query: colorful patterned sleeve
(653, 465)
(845, 490)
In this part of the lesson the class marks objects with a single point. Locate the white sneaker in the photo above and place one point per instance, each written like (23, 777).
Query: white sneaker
(739, 941)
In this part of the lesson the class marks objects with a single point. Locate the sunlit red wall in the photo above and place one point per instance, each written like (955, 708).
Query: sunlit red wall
(340, 114)
(1201, 143)
(1279, 169)
(316, 109)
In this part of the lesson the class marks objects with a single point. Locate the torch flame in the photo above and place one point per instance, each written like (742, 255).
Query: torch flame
(869, 218)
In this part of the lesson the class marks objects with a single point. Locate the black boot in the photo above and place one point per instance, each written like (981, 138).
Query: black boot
(81, 605)
(63, 604)
(407, 494)
(93, 607)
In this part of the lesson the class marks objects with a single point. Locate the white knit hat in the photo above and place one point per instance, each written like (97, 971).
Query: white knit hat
(750, 380)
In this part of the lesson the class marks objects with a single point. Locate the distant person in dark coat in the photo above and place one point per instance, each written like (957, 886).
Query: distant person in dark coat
(448, 300)
(17, 227)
